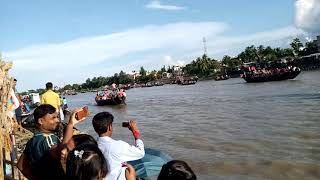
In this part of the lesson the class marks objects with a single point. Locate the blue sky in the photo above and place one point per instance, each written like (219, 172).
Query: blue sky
(69, 41)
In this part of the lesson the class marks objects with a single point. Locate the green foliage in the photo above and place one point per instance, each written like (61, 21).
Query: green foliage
(202, 67)
(296, 46)
(310, 48)
(142, 72)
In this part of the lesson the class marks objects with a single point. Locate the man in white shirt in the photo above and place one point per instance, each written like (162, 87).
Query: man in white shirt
(116, 152)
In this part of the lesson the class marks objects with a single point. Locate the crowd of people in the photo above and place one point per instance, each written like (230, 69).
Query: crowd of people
(81, 157)
(262, 72)
(110, 93)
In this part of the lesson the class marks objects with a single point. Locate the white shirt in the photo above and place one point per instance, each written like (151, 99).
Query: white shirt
(117, 152)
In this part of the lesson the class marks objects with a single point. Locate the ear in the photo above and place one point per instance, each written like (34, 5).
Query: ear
(110, 127)
(40, 121)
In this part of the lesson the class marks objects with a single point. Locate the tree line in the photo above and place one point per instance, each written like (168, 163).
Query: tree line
(203, 66)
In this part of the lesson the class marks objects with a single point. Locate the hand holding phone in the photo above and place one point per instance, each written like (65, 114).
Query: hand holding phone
(83, 113)
(125, 124)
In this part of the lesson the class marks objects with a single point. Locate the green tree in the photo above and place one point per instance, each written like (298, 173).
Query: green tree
(310, 48)
(296, 46)
(163, 69)
(67, 87)
(142, 72)
(76, 87)
(124, 78)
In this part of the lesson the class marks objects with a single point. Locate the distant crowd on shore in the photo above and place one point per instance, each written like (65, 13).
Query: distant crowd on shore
(81, 157)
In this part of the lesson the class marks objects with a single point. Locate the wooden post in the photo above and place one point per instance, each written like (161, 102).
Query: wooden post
(6, 83)
(1, 158)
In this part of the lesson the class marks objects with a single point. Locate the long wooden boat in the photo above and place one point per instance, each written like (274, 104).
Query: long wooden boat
(221, 78)
(108, 98)
(275, 76)
(112, 101)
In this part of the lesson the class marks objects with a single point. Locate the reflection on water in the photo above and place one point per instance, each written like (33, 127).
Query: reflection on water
(227, 129)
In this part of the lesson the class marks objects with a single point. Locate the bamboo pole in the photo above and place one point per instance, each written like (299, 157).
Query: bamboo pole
(6, 126)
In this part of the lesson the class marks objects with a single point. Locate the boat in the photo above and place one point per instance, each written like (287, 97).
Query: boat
(181, 80)
(187, 82)
(271, 75)
(110, 98)
(221, 77)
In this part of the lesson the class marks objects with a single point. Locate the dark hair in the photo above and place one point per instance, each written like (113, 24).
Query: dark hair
(176, 170)
(83, 139)
(102, 121)
(49, 85)
(86, 162)
(42, 110)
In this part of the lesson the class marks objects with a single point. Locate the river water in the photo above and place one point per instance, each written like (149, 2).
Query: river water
(227, 129)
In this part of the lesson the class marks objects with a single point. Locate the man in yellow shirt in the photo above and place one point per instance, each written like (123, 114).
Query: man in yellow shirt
(50, 97)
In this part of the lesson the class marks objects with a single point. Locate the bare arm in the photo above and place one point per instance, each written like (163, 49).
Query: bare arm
(56, 150)
(130, 173)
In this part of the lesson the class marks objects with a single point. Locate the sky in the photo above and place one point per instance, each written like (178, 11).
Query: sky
(66, 42)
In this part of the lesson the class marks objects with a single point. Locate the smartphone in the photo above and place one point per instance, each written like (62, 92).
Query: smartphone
(83, 113)
(125, 124)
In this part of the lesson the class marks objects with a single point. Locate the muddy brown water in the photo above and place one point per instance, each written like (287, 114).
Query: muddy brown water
(227, 129)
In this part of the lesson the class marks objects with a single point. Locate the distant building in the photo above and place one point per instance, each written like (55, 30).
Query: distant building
(177, 70)
(166, 75)
(134, 75)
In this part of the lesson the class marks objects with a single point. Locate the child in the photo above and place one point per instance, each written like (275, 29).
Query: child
(86, 162)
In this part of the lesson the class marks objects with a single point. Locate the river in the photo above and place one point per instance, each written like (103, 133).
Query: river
(227, 129)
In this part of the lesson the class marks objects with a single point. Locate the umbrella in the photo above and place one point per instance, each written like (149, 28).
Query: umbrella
(151, 163)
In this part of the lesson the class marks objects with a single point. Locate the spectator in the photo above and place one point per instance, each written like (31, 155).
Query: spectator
(80, 139)
(75, 141)
(176, 170)
(41, 157)
(50, 97)
(65, 104)
(86, 162)
(116, 152)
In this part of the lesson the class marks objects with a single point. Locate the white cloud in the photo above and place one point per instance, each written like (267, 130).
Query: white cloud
(150, 46)
(156, 4)
(307, 15)
(168, 60)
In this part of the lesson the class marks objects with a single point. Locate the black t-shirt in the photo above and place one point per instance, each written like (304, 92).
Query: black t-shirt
(42, 164)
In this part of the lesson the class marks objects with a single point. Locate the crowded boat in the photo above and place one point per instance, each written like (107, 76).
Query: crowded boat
(111, 96)
(252, 74)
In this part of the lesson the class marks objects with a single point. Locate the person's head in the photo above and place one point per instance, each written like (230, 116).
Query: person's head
(49, 85)
(14, 82)
(83, 139)
(102, 123)
(176, 170)
(86, 162)
(75, 141)
(46, 117)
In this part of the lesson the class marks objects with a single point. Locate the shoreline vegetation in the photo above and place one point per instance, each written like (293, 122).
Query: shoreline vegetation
(305, 56)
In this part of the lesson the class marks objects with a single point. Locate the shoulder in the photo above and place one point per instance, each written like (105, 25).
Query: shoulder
(44, 94)
(40, 142)
(121, 144)
(111, 144)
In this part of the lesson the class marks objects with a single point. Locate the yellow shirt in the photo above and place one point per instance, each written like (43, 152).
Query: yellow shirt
(51, 98)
